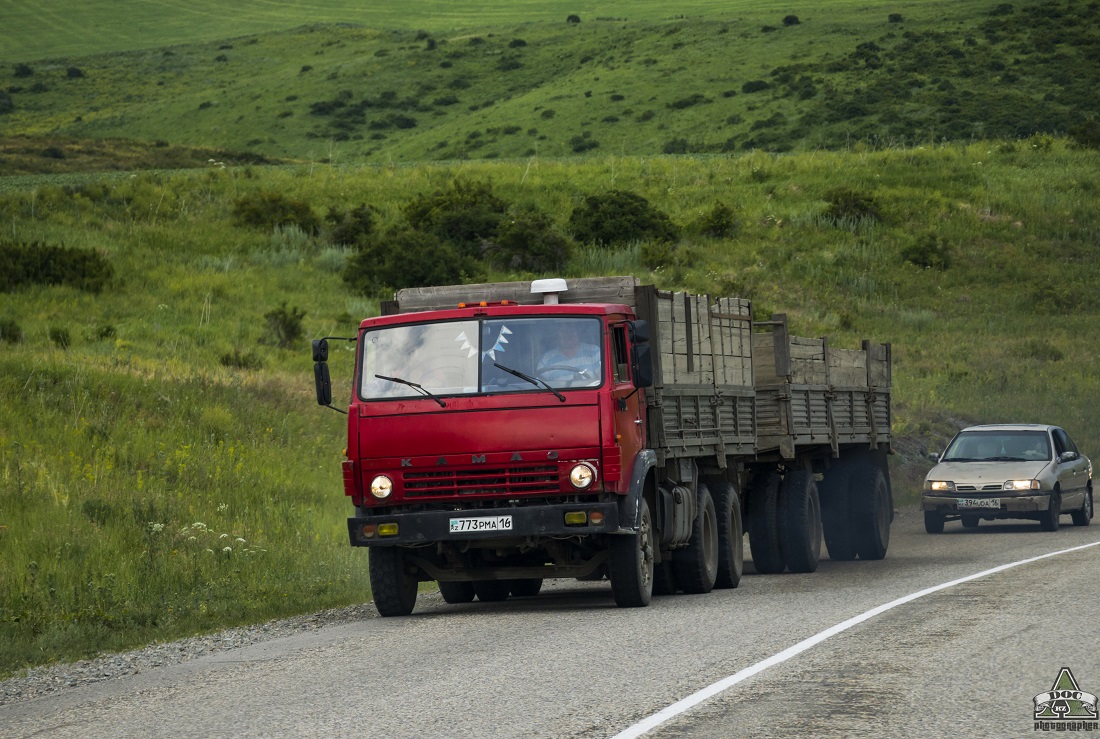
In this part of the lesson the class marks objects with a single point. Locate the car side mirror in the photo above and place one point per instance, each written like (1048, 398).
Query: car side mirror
(1067, 456)
(935, 456)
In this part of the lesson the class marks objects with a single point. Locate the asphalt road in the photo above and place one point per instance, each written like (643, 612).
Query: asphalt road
(966, 660)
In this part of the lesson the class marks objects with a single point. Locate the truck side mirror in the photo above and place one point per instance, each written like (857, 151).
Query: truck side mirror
(322, 381)
(320, 350)
(641, 360)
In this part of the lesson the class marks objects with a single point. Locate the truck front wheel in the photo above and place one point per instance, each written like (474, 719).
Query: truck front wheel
(631, 566)
(393, 586)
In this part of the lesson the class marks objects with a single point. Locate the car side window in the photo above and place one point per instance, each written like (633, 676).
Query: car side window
(1070, 446)
(1059, 442)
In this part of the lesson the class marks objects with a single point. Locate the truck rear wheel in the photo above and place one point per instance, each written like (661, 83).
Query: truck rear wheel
(631, 565)
(871, 510)
(664, 578)
(800, 522)
(526, 587)
(731, 539)
(393, 586)
(492, 591)
(836, 513)
(767, 556)
(457, 592)
(696, 565)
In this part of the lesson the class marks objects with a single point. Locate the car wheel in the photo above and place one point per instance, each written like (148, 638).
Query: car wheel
(970, 522)
(933, 522)
(1048, 519)
(1083, 516)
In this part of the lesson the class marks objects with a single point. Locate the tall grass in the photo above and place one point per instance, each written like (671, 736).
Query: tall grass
(147, 490)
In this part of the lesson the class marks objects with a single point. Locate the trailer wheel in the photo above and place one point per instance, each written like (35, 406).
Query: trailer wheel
(457, 592)
(492, 591)
(731, 540)
(393, 586)
(631, 566)
(800, 521)
(767, 556)
(871, 510)
(696, 565)
(526, 587)
(664, 578)
(836, 513)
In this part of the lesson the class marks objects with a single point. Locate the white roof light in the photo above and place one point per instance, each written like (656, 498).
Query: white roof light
(549, 289)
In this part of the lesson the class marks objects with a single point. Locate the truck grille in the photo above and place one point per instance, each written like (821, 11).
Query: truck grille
(497, 481)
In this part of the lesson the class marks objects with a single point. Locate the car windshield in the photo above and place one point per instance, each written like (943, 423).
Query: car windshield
(998, 446)
(481, 356)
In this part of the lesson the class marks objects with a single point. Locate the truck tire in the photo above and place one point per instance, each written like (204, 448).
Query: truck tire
(526, 587)
(631, 566)
(664, 578)
(871, 510)
(457, 592)
(393, 586)
(696, 565)
(492, 591)
(836, 521)
(767, 555)
(800, 532)
(731, 534)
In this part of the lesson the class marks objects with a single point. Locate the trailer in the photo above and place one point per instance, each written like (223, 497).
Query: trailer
(477, 461)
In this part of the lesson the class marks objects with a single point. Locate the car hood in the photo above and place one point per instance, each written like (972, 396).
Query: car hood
(984, 473)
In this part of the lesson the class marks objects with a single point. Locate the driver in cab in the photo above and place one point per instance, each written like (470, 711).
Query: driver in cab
(572, 362)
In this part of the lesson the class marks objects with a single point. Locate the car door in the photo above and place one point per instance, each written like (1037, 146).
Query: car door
(1072, 474)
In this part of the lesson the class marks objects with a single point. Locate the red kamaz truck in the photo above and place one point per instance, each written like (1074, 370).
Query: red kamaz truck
(500, 434)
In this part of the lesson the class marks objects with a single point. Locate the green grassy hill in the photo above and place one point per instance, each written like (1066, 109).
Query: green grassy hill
(725, 83)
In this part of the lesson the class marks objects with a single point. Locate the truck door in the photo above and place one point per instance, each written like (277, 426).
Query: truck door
(628, 401)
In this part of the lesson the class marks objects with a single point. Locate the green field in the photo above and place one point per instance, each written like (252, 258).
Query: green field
(164, 468)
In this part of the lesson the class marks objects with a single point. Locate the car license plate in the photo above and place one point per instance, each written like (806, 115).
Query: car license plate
(484, 523)
(979, 503)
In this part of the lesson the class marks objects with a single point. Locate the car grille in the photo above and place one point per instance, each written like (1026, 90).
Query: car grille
(541, 480)
(979, 489)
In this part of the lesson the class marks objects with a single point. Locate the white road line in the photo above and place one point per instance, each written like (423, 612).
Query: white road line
(714, 689)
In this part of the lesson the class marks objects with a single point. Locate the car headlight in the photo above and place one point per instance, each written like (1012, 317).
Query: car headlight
(381, 487)
(940, 486)
(1022, 485)
(582, 476)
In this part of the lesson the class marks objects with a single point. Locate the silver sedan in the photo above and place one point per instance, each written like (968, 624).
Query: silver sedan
(1008, 471)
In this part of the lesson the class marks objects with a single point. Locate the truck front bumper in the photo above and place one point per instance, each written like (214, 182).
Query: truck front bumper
(425, 527)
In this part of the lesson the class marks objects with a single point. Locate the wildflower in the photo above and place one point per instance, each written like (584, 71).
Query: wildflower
(227, 550)
(223, 507)
(199, 525)
(224, 536)
(156, 528)
(240, 540)
(191, 538)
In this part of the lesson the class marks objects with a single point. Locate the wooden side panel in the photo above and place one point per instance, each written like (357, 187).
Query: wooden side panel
(847, 367)
(807, 361)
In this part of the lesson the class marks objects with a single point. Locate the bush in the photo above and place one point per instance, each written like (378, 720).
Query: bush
(10, 331)
(695, 99)
(464, 214)
(846, 204)
(285, 325)
(22, 70)
(791, 20)
(755, 86)
(74, 73)
(529, 241)
(60, 337)
(1086, 134)
(719, 222)
(351, 227)
(620, 217)
(237, 360)
(929, 251)
(895, 18)
(573, 19)
(267, 209)
(7, 105)
(582, 143)
(42, 264)
(676, 146)
(404, 258)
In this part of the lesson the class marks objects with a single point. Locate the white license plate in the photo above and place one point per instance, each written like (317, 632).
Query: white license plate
(979, 503)
(484, 523)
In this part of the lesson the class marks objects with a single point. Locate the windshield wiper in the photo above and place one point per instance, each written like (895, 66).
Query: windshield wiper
(533, 380)
(414, 386)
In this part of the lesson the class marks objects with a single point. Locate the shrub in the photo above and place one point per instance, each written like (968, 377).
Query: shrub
(516, 43)
(929, 251)
(755, 86)
(74, 73)
(267, 209)
(59, 336)
(846, 204)
(7, 105)
(1086, 133)
(791, 20)
(583, 142)
(10, 331)
(42, 264)
(895, 18)
(246, 361)
(696, 99)
(529, 241)
(22, 70)
(464, 214)
(1042, 350)
(548, 113)
(285, 325)
(404, 258)
(719, 222)
(620, 217)
(351, 227)
(676, 146)
(573, 19)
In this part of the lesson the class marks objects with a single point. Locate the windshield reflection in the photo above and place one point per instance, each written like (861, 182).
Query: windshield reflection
(461, 357)
(999, 446)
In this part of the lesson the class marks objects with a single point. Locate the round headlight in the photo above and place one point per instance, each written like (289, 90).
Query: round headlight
(381, 487)
(582, 476)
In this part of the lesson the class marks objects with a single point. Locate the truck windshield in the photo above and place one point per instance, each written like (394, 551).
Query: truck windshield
(469, 357)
